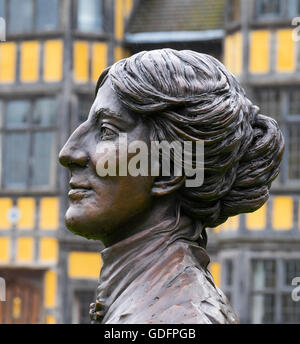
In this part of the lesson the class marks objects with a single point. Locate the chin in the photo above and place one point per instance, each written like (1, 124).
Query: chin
(88, 227)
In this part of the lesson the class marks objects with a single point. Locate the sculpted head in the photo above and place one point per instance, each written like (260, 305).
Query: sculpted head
(169, 95)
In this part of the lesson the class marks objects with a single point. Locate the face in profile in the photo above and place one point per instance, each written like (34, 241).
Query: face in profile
(170, 95)
(102, 207)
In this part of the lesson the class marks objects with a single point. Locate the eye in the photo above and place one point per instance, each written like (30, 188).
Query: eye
(107, 133)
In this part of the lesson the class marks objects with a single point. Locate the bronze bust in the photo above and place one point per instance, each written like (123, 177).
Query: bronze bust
(153, 227)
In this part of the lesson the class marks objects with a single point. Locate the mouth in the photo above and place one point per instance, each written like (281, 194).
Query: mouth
(79, 192)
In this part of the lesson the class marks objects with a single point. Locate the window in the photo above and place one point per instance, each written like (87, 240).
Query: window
(284, 106)
(271, 296)
(27, 133)
(269, 102)
(47, 15)
(263, 298)
(82, 301)
(290, 308)
(85, 104)
(227, 278)
(2, 8)
(89, 15)
(293, 8)
(20, 16)
(277, 8)
(269, 8)
(30, 15)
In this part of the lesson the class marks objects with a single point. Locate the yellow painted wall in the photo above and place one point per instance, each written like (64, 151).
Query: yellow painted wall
(286, 51)
(258, 219)
(233, 54)
(48, 250)
(30, 57)
(81, 61)
(282, 215)
(119, 19)
(238, 53)
(215, 270)
(53, 60)
(7, 62)
(50, 319)
(50, 285)
(232, 224)
(128, 5)
(259, 51)
(4, 250)
(5, 205)
(228, 52)
(84, 265)
(49, 213)
(99, 59)
(119, 53)
(26, 206)
(25, 249)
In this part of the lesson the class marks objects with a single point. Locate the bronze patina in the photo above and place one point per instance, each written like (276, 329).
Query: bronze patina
(154, 228)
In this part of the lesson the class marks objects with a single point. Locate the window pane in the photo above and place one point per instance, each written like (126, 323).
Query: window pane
(266, 8)
(89, 15)
(1, 113)
(47, 14)
(228, 272)
(293, 7)
(294, 151)
(290, 310)
(82, 301)
(269, 102)
(20, 16)
(263, 309)
(17, 114)
(291, 270)
(264, 274)
(85, 104)
(45, 112)
(2, 8)
(16, 160)
(294, 102)
(44, 158)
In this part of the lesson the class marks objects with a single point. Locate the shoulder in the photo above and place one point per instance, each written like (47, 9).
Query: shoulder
(194, 298)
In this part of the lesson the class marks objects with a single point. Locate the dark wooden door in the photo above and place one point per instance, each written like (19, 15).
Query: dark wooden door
(23, 303)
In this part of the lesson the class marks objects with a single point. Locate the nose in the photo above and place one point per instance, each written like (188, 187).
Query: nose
(73, 152)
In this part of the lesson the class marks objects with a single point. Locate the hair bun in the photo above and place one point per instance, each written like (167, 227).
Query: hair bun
(259, 166)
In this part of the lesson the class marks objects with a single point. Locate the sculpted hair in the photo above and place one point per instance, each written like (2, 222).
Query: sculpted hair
(188, 96)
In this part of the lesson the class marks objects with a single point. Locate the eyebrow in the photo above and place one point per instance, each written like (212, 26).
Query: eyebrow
(107, 113)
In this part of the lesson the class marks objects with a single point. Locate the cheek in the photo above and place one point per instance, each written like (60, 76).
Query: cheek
(105, 159)
(117, 197)
(121, 197)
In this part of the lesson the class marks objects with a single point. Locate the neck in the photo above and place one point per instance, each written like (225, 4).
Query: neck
(142, 256)
(161, 209)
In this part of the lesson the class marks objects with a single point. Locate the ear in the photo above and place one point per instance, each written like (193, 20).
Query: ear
(167, 186)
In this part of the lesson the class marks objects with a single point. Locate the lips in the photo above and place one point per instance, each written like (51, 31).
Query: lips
(79, 191)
